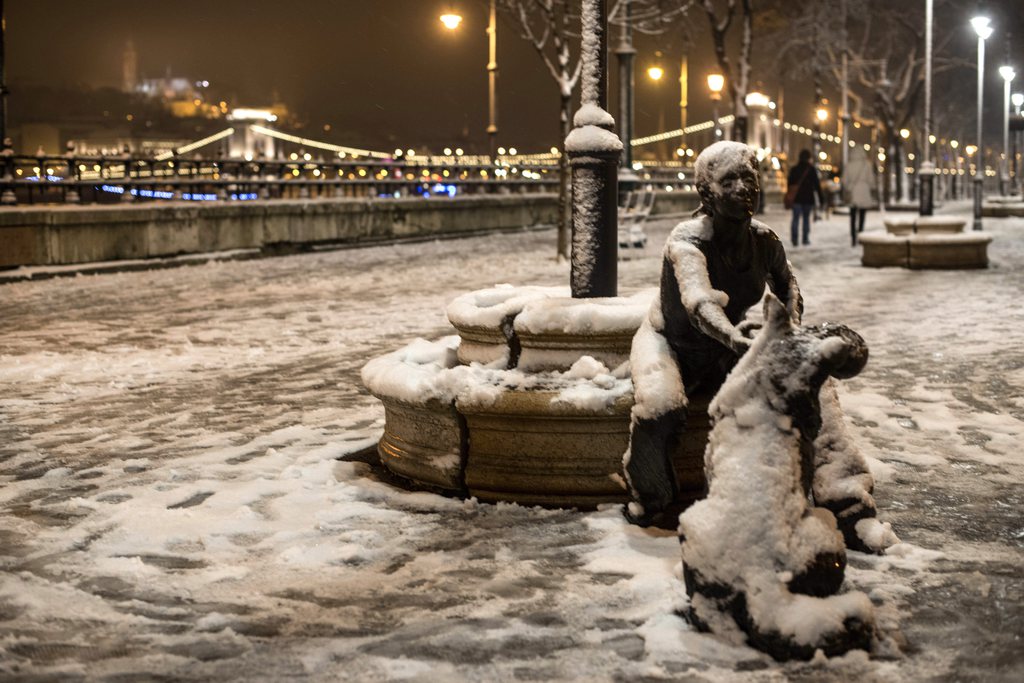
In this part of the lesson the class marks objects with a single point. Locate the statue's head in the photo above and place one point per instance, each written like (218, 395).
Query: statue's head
(727, 180)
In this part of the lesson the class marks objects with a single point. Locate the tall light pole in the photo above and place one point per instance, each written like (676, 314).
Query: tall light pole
(683, 97)
(1018, 100)
(844, 115)
(626, 53)
(3, 76)
(820, 117)
(982, 26)
(1007, 73)
(492, 79)
(451, 22)
(716, 82)
(926, 171)
(656, 72)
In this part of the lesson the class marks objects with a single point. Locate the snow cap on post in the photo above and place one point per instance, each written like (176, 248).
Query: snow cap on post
(714, 161)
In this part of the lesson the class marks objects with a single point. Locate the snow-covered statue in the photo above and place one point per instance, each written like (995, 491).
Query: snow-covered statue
(715, 267)
(761, 562)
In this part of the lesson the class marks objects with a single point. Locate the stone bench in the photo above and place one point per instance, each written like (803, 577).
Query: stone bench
(997, 207)
(926, 251)
(905, 225)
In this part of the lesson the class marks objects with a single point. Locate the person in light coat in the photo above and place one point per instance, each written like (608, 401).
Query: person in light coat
(858, 189)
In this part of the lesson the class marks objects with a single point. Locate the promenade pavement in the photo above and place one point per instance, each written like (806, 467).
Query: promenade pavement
(174, 502)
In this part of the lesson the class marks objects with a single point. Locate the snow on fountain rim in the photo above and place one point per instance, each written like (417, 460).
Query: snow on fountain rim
(549, 310)
(425, 371)
(606, 315)
(488, 308)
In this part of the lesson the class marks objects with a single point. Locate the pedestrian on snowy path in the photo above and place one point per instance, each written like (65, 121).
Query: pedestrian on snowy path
(858, 190)
(802, 187)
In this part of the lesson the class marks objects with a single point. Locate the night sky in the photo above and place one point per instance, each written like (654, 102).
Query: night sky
(382, 73)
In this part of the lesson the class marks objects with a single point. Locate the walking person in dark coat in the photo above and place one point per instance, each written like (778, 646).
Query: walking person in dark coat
(804, 177)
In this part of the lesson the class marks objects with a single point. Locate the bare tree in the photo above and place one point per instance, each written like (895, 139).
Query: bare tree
(884, 46)
(552, 27)
(737, 77)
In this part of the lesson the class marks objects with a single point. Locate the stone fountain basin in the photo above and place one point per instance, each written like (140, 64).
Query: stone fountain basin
(538, 329)
(554, 438)
(551, 431)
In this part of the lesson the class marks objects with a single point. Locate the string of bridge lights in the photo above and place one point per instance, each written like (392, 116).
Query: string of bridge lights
(510, 156)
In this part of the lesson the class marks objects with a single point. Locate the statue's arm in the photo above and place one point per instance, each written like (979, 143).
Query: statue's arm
(783, 282)
(703, 303)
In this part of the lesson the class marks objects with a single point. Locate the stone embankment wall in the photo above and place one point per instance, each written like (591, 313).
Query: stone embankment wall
(58, 235)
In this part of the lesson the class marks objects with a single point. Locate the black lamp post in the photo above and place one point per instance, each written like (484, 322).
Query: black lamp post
(593, 151)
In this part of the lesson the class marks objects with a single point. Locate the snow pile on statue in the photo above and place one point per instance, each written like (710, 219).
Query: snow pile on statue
(758, 557)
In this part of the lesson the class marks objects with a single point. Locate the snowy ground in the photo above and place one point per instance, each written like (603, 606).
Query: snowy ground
(172, 505)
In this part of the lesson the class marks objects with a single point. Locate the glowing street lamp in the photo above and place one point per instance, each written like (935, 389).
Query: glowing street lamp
(821, 115)
(716, 82)
(1017, 99)
(982, 26)
(1007, 73)
(655, 73)
(451, 21)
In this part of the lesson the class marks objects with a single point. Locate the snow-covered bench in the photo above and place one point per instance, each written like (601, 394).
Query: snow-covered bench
(924, 251)
(632, 217)
(905, 225)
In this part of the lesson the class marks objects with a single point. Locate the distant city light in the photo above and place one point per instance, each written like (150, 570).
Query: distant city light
(246, 114)
(757, 99)
(904, 133)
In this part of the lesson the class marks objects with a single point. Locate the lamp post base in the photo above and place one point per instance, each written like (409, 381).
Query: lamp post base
(978, 193)
(927, 191)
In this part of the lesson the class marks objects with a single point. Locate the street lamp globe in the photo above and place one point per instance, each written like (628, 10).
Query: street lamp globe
(821, 114)
(1007, 73)
(1017, 99)
(904, 133)
(982, 26)
(715, 84)
(655, 73)
(451, 20)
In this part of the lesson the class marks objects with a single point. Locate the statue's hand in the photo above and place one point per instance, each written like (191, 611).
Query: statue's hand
(739, 344)
(748, 328)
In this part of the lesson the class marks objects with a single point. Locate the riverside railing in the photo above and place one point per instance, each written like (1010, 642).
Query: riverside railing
(74, 179)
